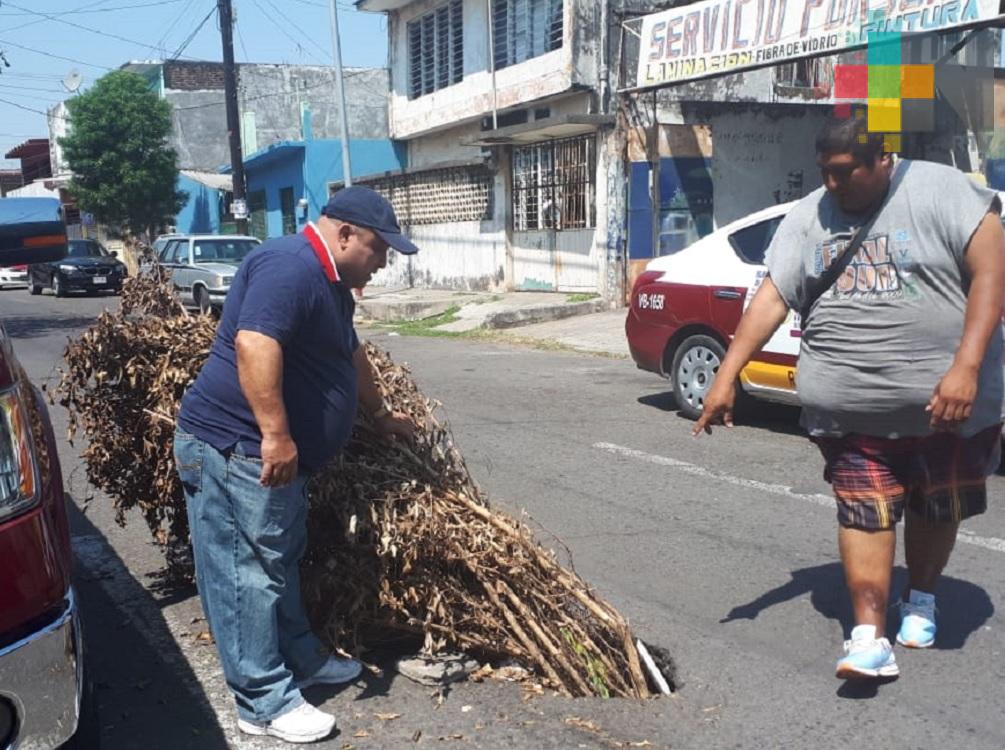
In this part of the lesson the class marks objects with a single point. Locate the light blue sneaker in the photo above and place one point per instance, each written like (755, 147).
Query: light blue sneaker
(866, 656)
(917, 620)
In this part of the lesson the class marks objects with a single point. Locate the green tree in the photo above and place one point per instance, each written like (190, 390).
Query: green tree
(124, 171)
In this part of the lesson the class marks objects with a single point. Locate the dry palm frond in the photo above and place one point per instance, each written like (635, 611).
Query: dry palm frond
(400, 537)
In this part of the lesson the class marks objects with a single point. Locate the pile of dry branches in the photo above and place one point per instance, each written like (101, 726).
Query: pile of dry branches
(400, 538)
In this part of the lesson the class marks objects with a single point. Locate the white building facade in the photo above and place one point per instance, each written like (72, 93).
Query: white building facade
(499, 102)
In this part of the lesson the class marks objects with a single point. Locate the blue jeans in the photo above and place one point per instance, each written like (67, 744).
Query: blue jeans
(248, 541)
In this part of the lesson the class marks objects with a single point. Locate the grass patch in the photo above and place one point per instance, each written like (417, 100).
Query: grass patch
(427, 326)
(582, 297)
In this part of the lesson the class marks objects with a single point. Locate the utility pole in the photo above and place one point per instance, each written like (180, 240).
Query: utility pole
(340, 89)
(233, 116)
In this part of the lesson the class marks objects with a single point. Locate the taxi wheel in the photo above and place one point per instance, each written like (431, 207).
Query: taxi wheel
(695, 364)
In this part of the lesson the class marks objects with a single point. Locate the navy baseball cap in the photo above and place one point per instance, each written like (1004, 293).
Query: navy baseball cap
(367, 208)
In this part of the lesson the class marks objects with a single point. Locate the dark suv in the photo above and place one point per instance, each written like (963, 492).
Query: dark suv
(87, 267)
(43, 700)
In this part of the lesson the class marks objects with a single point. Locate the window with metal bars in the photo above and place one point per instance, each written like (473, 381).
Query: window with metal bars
(436, 49)
(554, 185)
(523, 29)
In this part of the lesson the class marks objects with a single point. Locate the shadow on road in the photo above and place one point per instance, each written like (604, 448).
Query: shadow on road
(149, 698)
(963, 606)
(749, 413)
(34, 326)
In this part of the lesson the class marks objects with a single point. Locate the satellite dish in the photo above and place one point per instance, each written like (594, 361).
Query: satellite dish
(72, 81)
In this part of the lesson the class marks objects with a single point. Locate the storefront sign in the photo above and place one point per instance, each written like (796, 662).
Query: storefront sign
(716, 37)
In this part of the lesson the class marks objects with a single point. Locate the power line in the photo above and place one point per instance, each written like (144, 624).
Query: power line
(240, 38)
(308, 37)
(99, 32)
(167, 32)
(33, 76)
(192, 36)
(31, 88)
(32, 23)
(53, 55)
(30, 109)
(283, 31)
(88, 9)
(35, 98)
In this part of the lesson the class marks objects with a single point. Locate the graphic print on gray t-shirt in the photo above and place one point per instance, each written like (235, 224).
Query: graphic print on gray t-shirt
(879, 340)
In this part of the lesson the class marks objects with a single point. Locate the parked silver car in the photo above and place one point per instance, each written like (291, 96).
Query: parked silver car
(202, 266)
(161, 242)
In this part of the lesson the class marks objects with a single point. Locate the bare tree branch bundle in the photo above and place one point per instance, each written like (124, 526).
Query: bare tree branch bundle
(401, 539)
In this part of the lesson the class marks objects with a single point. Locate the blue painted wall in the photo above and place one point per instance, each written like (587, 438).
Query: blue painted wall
(324, 165)
(201, 213)
(308, 167)
(285, 169)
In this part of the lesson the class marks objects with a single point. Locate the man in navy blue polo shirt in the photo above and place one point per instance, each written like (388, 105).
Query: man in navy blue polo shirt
(275, 401)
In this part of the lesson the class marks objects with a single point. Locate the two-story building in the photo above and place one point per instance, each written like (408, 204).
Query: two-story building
(499, 103)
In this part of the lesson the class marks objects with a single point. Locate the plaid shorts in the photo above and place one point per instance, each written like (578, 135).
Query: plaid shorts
(941, 477)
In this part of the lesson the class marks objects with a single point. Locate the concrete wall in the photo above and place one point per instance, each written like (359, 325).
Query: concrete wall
(201, 213)
(270, 96)
(199, 129)
(761, 155)
(467, 255)
(464, 255)
(487, 256)
(35, 189)
(448, 144)
(274, 93)
(445, 145)
(544, 76)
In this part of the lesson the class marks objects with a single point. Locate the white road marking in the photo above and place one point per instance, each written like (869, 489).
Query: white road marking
(966, 537)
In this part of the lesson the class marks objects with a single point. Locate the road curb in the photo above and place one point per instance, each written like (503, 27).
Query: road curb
(400, 311)
(543, 314)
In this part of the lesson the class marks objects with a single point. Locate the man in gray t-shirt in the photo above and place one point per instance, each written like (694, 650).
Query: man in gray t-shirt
(899, 272)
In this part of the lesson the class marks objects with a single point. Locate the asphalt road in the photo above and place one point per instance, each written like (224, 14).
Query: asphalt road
(721, 549)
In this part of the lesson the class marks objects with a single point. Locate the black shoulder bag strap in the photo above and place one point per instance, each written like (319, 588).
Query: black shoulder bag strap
(834, 271)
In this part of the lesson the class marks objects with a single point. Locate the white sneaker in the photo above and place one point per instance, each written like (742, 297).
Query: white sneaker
(335, 671)
(298, 725)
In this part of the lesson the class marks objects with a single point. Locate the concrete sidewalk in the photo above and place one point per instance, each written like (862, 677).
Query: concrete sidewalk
(547, 317)
(598, 333)
(473, 310)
